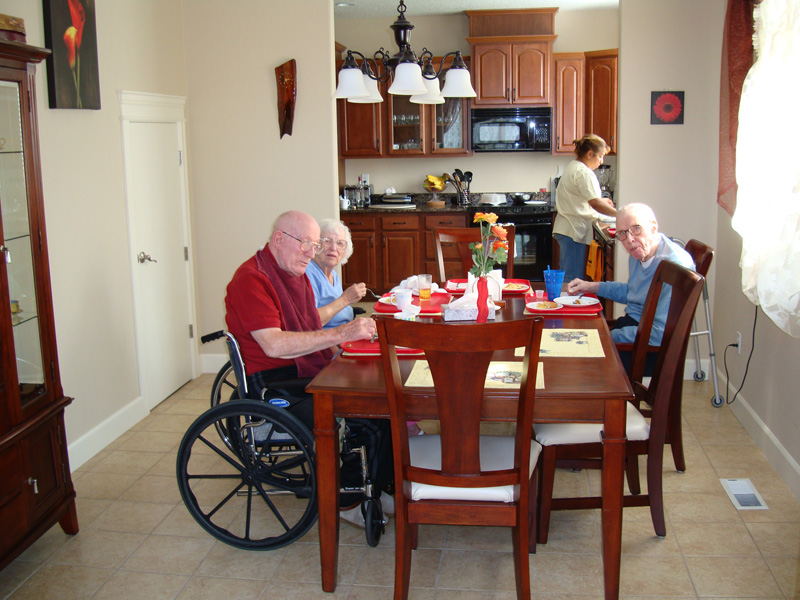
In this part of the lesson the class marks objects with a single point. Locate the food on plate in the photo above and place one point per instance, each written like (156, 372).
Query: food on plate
(546, 305)
(515, 287)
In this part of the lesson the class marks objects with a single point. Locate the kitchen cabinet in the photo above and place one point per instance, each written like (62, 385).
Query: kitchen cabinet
(512, 70)
(36, 490)
(388, 248)
(398, 127)
(601, 95)
(361, 127)
(569, 113)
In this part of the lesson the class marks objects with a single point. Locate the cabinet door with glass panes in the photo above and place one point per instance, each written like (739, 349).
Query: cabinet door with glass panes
(28, 357)
(450, 121)
(407, 126)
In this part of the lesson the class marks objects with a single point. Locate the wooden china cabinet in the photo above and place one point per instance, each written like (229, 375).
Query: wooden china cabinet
(36, 489)
(601, 95)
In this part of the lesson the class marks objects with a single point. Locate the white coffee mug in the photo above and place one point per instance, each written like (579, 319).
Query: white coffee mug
(402, 299)
(344, 203)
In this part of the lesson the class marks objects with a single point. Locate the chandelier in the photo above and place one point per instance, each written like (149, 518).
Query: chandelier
(411, 76)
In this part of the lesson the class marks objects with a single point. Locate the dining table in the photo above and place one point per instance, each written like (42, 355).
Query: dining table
(590, 389)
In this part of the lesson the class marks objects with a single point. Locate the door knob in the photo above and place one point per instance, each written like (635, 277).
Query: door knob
(145, 257)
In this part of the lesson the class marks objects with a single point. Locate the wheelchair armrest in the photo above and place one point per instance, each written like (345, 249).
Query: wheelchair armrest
(283, 384)
(357, 310)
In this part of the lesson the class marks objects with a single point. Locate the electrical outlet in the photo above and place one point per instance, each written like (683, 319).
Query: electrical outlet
(738, 342)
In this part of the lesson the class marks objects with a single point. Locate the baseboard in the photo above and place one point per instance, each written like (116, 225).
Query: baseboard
(784, 464)
(100, 436)
(212, 363)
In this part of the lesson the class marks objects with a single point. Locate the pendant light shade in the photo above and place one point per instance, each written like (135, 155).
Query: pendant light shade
(351, 84)
(372, 87)
(457, 84)
(433, 95)
(408, 80)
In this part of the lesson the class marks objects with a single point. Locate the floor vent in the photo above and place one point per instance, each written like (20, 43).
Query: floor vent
(743, 494)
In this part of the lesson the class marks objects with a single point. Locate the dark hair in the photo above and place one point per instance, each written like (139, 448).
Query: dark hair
(590, 142)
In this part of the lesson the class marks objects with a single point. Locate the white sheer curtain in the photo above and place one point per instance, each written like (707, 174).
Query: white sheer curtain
(768, 166)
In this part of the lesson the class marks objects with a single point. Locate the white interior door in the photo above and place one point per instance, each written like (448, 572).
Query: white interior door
(158, 224)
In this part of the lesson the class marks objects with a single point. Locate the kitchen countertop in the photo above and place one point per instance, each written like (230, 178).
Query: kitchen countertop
(419, 204)
(601, 228)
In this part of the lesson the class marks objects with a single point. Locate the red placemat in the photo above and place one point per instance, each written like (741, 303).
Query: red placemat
(429, 307)
(451, 286)
(369, 348)
(572, 311)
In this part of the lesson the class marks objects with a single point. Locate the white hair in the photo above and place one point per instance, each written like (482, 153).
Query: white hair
(335, 226)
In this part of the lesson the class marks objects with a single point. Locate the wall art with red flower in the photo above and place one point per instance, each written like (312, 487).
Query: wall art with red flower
(666, 108)
(70, 31)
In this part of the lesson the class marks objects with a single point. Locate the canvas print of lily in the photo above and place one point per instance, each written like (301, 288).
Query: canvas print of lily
(73, 79)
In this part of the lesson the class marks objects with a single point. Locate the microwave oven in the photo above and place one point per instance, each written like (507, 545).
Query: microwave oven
(511, 129)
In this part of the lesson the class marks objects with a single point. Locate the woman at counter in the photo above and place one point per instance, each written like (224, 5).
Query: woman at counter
(578, 200)
(333, 303)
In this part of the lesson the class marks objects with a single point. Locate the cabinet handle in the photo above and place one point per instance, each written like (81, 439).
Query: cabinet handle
(399, 223)
(612, 142)
(514, 95)
(507, 90)
(354, 223)
(34, 483)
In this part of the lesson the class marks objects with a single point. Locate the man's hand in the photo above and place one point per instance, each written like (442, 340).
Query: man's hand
(579, 286)
(357, 329)
(355, 293)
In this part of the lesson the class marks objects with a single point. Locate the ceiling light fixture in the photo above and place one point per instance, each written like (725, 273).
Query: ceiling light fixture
(411, 76)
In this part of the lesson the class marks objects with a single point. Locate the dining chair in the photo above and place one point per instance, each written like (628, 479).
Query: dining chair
(461, 237)
(460, 477)
(702, 255)
(579, 445)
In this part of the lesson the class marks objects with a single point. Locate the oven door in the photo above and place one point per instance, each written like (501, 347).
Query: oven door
(533, 246)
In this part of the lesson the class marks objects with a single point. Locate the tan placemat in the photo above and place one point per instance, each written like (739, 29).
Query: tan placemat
(569, 343)
(502, 375)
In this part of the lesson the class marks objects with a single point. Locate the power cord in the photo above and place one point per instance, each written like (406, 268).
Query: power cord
(747, 365)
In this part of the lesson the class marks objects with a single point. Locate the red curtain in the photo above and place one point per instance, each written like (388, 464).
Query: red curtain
(737, 58)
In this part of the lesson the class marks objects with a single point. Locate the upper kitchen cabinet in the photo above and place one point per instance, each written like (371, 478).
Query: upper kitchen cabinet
(512, 56)
(601, 95)
(516, 74)
(361, 127)
(36, 490)
(569, 100)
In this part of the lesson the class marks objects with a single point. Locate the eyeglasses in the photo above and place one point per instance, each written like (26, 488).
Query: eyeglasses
(340, 244)
(306, 245)
(634, 230)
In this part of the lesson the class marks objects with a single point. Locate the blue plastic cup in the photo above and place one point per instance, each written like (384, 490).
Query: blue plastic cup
(553, 280)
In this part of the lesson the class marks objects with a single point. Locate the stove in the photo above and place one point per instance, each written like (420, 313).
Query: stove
(533, 235)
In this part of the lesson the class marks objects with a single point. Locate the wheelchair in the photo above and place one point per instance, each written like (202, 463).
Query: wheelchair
(246, 466)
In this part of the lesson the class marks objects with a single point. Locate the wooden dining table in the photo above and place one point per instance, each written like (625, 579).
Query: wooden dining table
(576, 389)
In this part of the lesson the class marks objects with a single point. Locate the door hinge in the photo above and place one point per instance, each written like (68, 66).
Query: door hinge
(186, 253)
(180, 158)
(191, 331)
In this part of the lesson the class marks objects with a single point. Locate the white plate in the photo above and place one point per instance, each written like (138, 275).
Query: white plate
(532, 306)
(570, 301)
(387, 300)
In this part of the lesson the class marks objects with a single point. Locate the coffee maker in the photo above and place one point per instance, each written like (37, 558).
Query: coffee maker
(603, 173)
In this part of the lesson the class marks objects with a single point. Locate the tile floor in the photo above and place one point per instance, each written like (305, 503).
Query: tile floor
(138, 541)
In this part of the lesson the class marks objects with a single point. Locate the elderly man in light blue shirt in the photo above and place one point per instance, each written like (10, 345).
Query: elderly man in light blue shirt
(637, 230)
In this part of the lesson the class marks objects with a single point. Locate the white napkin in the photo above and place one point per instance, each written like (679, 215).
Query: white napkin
(412, 283)
(409, 313)
(495, 283)
(470, 300)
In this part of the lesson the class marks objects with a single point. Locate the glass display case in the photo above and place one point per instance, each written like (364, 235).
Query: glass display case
(36, 488)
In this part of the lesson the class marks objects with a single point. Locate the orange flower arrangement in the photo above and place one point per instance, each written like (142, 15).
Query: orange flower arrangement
(493, 246)
(72, 40)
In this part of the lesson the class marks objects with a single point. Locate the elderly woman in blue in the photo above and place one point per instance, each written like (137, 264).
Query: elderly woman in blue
(333, 303)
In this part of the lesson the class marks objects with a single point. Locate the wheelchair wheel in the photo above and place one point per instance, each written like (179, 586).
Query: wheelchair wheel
(373, 520)
(257, 490)
(224, 387)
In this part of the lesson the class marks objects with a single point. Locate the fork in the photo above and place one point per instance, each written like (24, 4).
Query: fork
(374, 294)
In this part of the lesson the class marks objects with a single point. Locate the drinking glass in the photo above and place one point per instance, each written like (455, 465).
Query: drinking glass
(425, 286)
(553, 280)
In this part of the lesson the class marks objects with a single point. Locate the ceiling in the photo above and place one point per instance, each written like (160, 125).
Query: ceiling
(370, 9)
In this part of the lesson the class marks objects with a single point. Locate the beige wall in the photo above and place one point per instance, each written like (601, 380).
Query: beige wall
(242, 173)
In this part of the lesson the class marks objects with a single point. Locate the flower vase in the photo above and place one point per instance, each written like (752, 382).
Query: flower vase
(483, 299)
